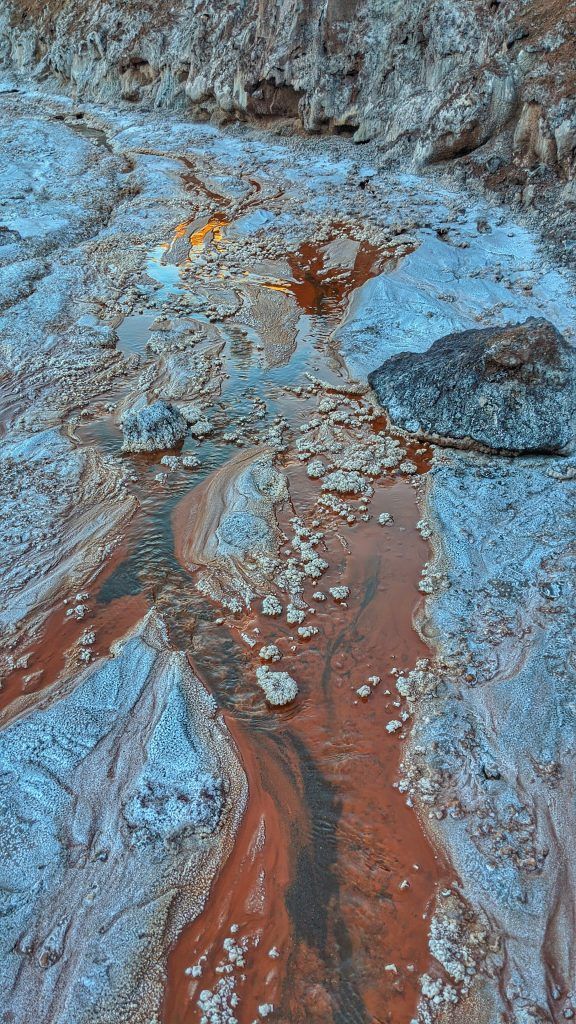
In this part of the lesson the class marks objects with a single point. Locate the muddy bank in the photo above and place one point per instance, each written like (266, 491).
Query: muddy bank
(490, 758)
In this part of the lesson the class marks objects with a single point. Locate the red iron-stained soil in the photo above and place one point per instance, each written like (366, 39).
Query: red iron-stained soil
(330, 867)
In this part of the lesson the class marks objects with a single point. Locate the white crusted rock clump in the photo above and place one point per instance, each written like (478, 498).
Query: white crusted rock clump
(345, 483)
(279, 687)
(316, 469)
(305, 632)
(393, 726)
(271, 606)
(418, 685)
(304, 543)
(270, 653)
(152, 428)
(294, 615)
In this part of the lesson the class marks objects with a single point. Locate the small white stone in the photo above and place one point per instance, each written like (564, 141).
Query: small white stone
(270, 653)
(279, 687)
(307, 631)
(271, 605)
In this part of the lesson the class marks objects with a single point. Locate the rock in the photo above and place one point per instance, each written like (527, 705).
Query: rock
(152, 428)
(279, 687)
(120, 800)
(507, 389)
(228, 528)
(270, 652)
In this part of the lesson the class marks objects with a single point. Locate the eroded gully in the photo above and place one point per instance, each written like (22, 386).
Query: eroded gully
(325, 898)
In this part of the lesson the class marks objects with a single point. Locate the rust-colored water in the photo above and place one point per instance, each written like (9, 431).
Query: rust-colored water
(54, 650)
(340, 844)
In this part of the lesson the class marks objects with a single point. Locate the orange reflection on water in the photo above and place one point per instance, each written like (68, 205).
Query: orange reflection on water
(212, 231)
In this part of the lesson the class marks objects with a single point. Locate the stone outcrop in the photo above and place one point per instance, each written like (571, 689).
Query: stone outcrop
(509, 389)
(120, 801)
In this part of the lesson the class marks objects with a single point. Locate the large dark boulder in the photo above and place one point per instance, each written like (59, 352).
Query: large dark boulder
(507, 389)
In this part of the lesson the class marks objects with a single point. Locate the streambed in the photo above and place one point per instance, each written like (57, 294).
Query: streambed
(255, 280)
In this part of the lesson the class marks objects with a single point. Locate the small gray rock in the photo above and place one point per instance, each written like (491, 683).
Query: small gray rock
(153, 428)
(507, 389)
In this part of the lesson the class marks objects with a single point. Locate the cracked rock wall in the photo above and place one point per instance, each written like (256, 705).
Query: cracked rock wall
(430, 81)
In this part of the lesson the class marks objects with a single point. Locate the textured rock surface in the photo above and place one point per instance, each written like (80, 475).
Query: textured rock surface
(431, 80)
(153, 427)
(510, 388)
(492, 750)
(119, 802)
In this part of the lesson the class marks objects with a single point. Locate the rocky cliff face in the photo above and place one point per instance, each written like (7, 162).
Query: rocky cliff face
(429, 81)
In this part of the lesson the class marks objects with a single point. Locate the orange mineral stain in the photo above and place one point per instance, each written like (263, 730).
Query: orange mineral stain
(212, 231)
(53, 653)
